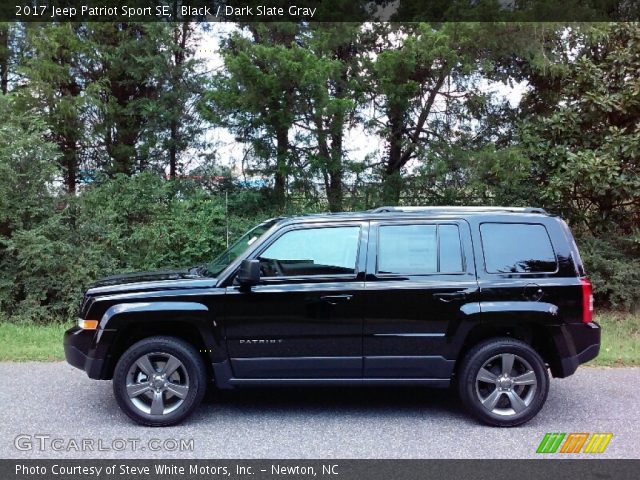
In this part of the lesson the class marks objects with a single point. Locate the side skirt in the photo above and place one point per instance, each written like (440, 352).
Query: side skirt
(322, 382)
(224, 380)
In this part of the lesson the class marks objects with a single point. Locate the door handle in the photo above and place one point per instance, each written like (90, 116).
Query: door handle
(449, 297)
(335, 299)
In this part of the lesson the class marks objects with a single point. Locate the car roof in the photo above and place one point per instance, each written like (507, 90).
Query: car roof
(416, 212)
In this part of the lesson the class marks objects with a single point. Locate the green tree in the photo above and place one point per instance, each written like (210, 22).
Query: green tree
(332, 92)
(182, 89)
(153, 92)
(127, 66)
(11, 50)
(584, 144)
(27, 169)
(54, 86)
(407, 72)
(117, 97)
(255, 97)
(583, 147)
(428, 85)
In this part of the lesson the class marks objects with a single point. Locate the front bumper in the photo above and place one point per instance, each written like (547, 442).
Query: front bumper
(79, 351)
(581, 343)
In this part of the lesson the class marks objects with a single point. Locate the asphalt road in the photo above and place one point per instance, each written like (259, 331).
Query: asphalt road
(65, 407)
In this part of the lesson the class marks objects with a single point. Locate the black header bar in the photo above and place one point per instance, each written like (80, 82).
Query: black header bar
(319, 10)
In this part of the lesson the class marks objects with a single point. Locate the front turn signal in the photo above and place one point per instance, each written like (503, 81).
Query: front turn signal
(87, 324)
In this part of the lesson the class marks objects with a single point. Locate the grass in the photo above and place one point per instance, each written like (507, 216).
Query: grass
(30, 342)
(620, 345)
(22, 342)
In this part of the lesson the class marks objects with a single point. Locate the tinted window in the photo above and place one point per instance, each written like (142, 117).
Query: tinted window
(517, 248)
(413, 249)
(233, 252)
(450, 249)
(312, 251)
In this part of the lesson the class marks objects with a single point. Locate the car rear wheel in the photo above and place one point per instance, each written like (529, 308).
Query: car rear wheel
(159, 381)
(503, 382)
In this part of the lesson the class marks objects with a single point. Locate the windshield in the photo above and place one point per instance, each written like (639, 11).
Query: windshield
(234, 251)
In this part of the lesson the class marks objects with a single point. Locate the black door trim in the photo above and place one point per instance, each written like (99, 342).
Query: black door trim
(408, 366)
(285, 367)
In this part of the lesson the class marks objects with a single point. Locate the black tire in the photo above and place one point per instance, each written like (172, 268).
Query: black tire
(189, 380)
(476, 387)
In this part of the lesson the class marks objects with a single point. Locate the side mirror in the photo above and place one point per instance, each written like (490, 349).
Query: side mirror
(249, 273)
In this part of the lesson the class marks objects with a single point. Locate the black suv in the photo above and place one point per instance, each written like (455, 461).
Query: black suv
(486, 297)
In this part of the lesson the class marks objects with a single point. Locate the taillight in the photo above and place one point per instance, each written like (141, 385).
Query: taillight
(587, 301)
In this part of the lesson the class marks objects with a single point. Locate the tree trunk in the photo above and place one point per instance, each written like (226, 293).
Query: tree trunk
(173, 149)
(280, 177)
(402, 145)
(4, 58)
(67, 130)
(391, 188)
(332, 164)
(392, 179)
(123, 149)
(180, 35)
(70, 162)
(334, 192)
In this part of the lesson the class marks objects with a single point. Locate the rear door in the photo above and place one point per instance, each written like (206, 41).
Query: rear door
(420, 277)
(526, 264)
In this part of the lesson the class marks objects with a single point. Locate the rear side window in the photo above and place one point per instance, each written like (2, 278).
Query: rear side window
(517, 248)
(419, 249)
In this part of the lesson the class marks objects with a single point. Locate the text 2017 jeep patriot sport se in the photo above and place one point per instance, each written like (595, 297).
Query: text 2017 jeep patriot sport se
(487, 297)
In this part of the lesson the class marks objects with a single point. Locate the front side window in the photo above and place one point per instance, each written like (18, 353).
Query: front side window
(517, 248)
(312, 251)
(238, 248)
(419, 249)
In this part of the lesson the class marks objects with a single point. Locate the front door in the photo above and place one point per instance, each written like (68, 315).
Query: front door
(420, 278)
(304, 319)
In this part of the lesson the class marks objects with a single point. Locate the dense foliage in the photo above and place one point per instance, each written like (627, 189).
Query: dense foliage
(107, 162)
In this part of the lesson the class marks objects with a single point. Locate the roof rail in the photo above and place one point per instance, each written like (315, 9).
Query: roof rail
(456, 209)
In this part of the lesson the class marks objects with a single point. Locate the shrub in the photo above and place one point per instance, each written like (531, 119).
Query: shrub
(122, 224)
(613, 265)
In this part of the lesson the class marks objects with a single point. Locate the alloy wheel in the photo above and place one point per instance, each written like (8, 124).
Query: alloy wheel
(506, 384)
(157, 383)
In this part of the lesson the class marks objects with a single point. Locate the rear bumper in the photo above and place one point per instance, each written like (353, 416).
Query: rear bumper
(585, 342)
(78, 351)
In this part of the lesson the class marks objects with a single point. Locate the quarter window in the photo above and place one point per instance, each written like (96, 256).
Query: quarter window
(312, 251)
(517, 248)
(419, 249)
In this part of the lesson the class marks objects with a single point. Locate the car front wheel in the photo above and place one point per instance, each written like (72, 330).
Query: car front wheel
(159, 381)
(503, 382)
